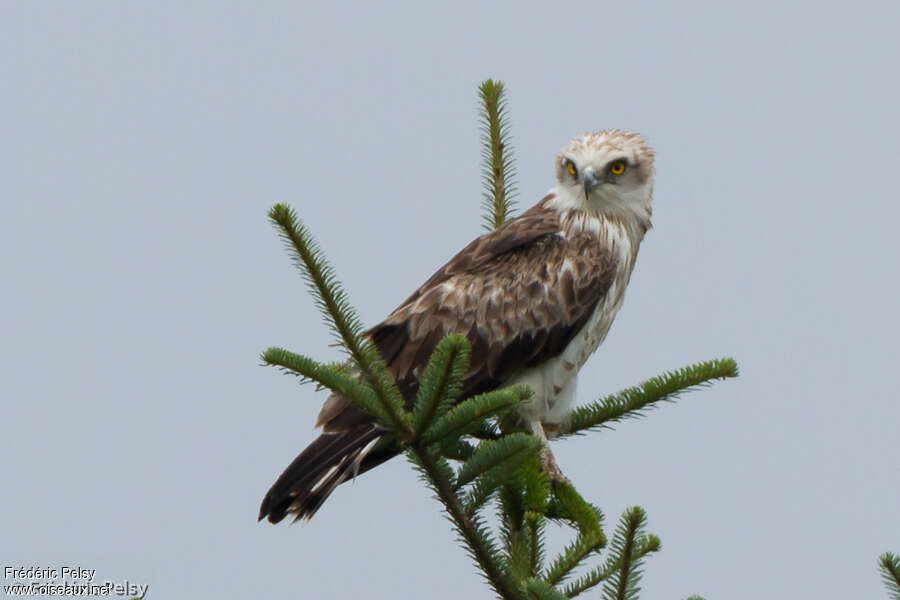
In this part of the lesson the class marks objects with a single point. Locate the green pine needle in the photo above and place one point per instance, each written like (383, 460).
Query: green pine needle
(623, 583)
(578, 509)
(512, 510)
(472, 411)
(647, 545)
(501, 456)
(485, 431)
(518, 554)
(475, 535)
(442, 381)
(457, 449)
(535, 486)
(573, 554)
(482, 491)
(329, 297)
(630, 402)
(327, 376)
(332, 301)
(536, 524)
(498, 170)
(890, 573)
(538, 589)
(525, 493)
(442, 469)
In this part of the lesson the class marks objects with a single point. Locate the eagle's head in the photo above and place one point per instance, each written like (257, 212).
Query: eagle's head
(607, 172)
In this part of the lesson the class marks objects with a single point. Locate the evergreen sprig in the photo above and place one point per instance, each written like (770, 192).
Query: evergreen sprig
(442, 381)
(577, 508)
(479, 542)
(457, 449)
(623, 583)
(481, 491)
(469, 413)
(494, 458)
(617, 569)
(332, 301)
(889, 564)
(540, 589)
(498, 170)
(329, 377)
(631, 402)
(573, 555)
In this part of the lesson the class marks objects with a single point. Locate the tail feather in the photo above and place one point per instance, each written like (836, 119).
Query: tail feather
(328, 461)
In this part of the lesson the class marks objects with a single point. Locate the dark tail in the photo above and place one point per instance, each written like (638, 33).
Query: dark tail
(327, 462)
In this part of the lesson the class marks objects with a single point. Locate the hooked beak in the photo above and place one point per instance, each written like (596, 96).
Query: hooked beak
(590, 181)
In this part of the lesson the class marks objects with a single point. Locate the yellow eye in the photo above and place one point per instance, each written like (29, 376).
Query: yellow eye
(617, 168)
(572, 170)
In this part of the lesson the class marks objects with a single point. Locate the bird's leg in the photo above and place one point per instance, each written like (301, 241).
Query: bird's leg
(548, 462)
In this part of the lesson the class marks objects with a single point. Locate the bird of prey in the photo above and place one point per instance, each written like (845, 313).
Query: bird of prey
(535, 297)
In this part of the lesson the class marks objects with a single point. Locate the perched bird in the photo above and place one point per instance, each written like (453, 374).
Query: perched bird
(535, 297)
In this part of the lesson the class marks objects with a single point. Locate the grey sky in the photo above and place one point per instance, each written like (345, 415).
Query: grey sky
(141, 278)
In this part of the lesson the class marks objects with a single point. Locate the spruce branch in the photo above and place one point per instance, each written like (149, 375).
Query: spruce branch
(498, 170)
(328, 376)
(481, 491)
(457, 449)
(495, 457)
(473, 532)
(623, 583)
(646, 545)
(518, 553)
(538, 589)
(535, 486)
(332, 301)
(630, 402)
(577, 509)
(890, 573)
(472, 411)
(573, 555)
(485, 430)
(536, 523)
(511, 512)
(523, 502)
(441, 383)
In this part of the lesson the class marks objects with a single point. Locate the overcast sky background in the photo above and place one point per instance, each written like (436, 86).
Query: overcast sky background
(141, 279)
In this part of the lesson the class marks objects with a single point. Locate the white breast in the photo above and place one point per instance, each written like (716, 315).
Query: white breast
(554, 382)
